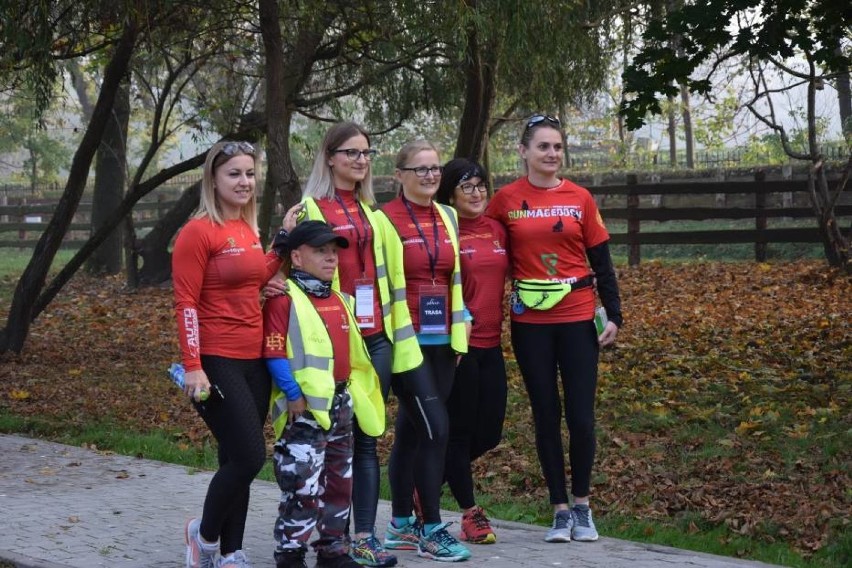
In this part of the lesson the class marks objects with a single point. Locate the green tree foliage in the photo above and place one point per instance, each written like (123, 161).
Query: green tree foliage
(716, 30)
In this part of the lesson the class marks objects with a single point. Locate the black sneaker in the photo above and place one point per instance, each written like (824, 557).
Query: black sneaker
(340, 561)
(290, 558)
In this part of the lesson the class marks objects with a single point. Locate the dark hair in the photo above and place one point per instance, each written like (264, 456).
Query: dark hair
(456, 172)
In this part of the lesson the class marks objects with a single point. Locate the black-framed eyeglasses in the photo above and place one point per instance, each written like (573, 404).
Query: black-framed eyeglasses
(354, 153)
(539, 118)
(231, 148)
(423, 171)
(468, 188)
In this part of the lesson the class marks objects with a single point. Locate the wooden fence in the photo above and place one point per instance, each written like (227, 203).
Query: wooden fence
(754, 202)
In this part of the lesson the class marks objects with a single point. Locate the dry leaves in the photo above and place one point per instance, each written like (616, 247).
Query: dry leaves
(727, 397)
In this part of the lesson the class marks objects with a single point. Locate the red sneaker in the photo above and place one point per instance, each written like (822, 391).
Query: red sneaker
(475, 527)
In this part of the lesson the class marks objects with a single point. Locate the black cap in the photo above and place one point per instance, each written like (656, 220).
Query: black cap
(315, 234)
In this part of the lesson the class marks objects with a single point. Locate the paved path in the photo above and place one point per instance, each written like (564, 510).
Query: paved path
(63, 506)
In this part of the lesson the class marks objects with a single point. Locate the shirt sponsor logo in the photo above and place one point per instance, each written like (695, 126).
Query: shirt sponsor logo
(547, 212)
(190, 324)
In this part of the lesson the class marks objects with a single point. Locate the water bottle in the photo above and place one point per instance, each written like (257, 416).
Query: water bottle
(177, 375)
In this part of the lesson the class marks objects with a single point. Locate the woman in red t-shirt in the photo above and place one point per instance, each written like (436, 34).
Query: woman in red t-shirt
(556, 235)
(477, 404)
(218, 269)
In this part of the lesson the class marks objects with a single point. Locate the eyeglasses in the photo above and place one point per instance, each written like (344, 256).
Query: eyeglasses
(423, 171)
(469, 188)
(354, 153)
(539, 118)
(231, 148)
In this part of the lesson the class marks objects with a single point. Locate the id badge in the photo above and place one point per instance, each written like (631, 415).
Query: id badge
(365, 294)
(433, 310)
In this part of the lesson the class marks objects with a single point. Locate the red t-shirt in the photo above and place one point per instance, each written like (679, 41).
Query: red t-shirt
(356, 262)
(485, 267)
(549, 232)
(218, 271)
(418, 273)
(276, 322)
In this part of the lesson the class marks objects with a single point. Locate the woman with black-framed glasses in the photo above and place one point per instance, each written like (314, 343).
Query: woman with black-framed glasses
(339, 192)
(218, 270)
(428, 232)
(477, 403)
(560, 257)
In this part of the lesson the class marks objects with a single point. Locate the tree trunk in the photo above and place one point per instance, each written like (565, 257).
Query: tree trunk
(110, 180)
(844, 100)
(282, 89)
(32, 281)
(686, 113)
(672, 130)
(154, 248)
(479, 99)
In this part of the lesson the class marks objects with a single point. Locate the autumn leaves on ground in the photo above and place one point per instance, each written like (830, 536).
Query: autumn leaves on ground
(726, 401)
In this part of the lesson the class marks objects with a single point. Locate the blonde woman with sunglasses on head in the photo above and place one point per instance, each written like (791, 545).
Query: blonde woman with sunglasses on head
(218, 270)
(559, 255)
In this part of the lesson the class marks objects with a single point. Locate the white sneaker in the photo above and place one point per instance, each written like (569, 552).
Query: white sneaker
(583, 528)
(561, 529)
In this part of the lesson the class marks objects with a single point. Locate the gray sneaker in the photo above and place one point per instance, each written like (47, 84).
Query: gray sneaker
(583, 528)
(561, 529)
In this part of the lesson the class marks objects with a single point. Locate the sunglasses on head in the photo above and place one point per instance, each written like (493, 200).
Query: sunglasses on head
(231, 148)
(539, 118)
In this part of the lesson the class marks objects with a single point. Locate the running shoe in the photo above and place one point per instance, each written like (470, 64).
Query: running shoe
(561, 529)
(403, 538)
(198, 554)
(583, 528)
(475, 527)
(236, 559)
(439, 544)
(368, 551)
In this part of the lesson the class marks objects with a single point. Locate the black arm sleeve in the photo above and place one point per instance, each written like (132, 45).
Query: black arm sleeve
(601, 262)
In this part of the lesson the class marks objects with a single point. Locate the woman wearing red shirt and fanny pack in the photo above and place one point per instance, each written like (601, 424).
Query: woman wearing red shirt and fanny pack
(559, 255)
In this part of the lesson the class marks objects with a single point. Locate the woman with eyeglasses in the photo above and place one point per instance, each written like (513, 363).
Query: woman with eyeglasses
(477, 404)
(339, 191)
(559, 255)
(218, 270)
(429, 235)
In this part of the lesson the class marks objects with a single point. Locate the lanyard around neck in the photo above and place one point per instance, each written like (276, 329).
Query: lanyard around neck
(362, 241)
(433, 259)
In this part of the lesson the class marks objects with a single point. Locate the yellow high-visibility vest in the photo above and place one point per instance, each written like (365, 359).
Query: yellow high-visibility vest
(311, 356)
(390, 280)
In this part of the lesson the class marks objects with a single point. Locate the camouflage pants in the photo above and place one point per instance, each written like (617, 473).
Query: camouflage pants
(314, 471)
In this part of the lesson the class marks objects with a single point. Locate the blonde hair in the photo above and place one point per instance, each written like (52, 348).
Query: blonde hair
(320, 184)
(208, 205)
(407, 152)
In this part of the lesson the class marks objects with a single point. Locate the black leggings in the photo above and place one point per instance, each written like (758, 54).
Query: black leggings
(365, 461)
(421, 431)
(539, 348)
(477, 407)
(237, 424)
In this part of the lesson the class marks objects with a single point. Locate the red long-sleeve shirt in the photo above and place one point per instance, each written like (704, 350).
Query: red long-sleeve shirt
(218, 272)
(484, 267)
(418, 273)
(356, 262)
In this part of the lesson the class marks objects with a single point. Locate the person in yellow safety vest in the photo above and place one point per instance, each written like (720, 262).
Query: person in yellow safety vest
(429, 235)
(339, 191)
(323, 378)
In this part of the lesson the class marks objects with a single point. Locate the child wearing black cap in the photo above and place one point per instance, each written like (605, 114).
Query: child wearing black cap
(322, 377)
